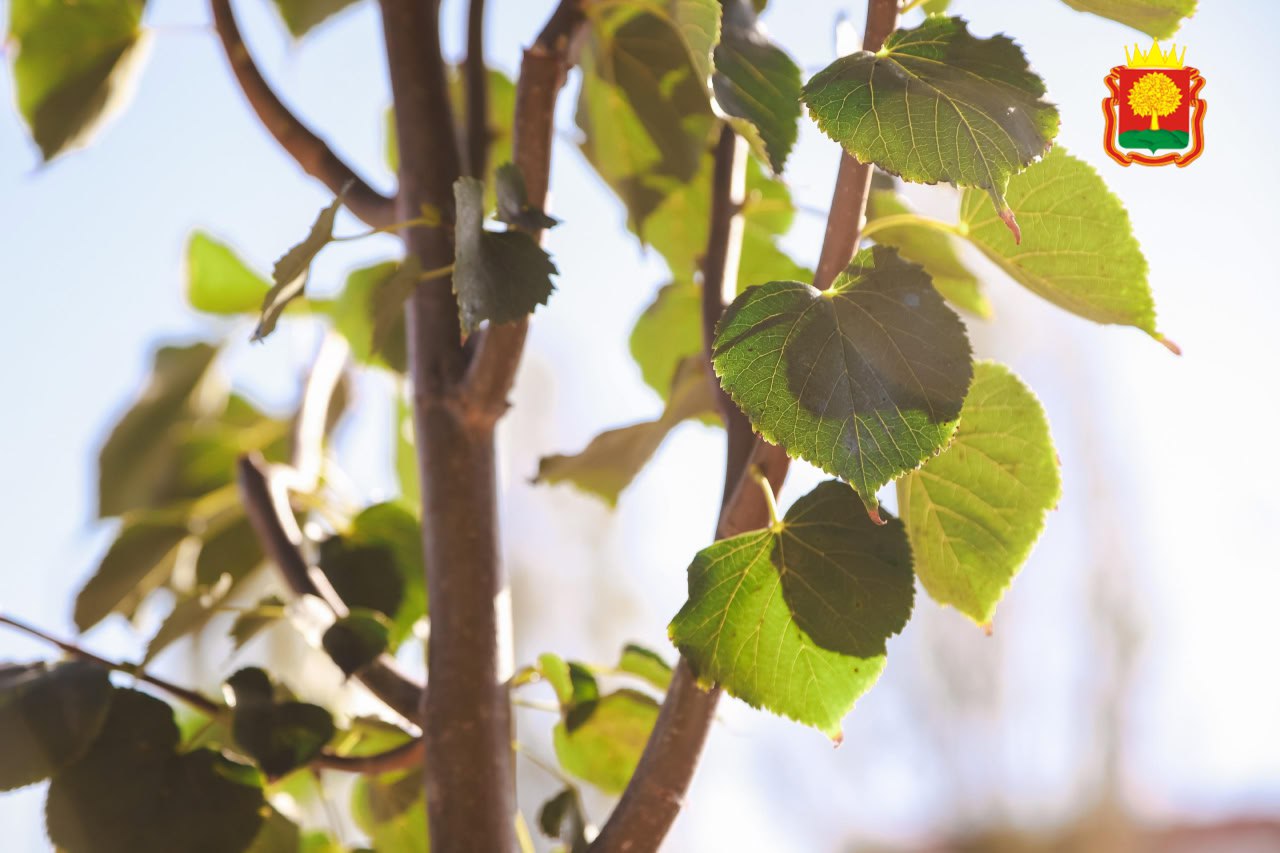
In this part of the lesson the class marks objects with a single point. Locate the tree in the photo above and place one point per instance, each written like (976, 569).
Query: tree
(861, 368)
(1154, 95)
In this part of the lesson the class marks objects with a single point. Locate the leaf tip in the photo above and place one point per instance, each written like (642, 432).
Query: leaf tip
(987, 628)
(1168, 344)
(873, 512)
(1011, 221)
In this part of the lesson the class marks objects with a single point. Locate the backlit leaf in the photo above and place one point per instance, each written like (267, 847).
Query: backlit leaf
(49, 716)
(289, 275)
(974, 512)
(794, 618)
(645, 664)
(668, 332)
(601, 742)
(563, 818)
(301, 15)
(218, 282)
(391, 810)
(1157, 18)
(369, 312)
(936, 104)
(249, 623)
(138, 561)
(864, 380)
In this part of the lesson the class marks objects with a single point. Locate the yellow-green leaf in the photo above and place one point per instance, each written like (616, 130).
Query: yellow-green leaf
(218, 282)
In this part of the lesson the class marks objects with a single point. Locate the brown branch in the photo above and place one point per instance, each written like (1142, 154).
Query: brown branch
(409, 754)
(476, 79)
(654, 796)
(267, 507)
(542, 74)
(311, 152)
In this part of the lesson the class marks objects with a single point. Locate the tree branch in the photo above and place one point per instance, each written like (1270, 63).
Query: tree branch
(266, 504)
(476, 78)
(654, 796)
(310, 151)
(542, 74)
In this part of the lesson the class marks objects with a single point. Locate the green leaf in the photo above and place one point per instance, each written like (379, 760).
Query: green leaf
(369, 312)
(794, 618)
(1157, 18)
(131, 793)
(645, 664)
(406, 453)
(356, 640)
(249, 623)
(974, 512)
(393, 526)
(363, 575)
(232, 550)
(864, 380)
(138, 561)
(290, 273)
(499, 277)
(936, 7)
(563, 818)
(757, 84)
(936, 104)
(49, 716)
(556, 671)
(513, 202)
(668, 332)
(189, 616)
(278, 835)
(279, 736)
(140, 455)
(934, 251)
(601, 743)
(391, 810)
(301, 15)
(1079, 251)
(644, 104)
(615, 457)
(76, 62)
(218, 282)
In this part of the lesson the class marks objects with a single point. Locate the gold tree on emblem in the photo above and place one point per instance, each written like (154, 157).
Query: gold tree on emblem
(1154, 95)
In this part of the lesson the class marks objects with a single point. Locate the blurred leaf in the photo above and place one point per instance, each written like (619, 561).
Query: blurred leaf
(645, 664)
(49, 716)
(564, 819)
(668, 332)
(138, 562)
(230, 550)
(132, 794)
(1079, 250)
(974, 513)
(614, 458)
(356, 640)
(393, 526)
(279, 736)
(794, 618)
(936, 7)
(757, 84)
(1157, 18)
(933, 250)
(369, 312)
(513, 202)
(406, 460)
(218, 282)
(277, 835)
(289, 275)
(75, 63)
(301, 15)
(391, 810)
(864, 380)
(189, 616)
(602, 742)
(249, 623)
(936, 104)
(498, 276)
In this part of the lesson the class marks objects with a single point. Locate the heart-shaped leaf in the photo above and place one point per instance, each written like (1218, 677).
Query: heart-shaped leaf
(280, 736)
(49, 716)
(600, 741)
(356, 640)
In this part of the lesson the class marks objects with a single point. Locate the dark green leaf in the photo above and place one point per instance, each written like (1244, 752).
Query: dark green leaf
(75, 62)
(499, 277)
(1157, 18)
(132, 794)
(564, 819)
(231, 550)
(49, 716)
(614, 458)
(936, 104)
(363, 575)
(279, 736)
(301, 15)
(1079, 251)
(794, 618)
(138, 562)
(218, 282)
(393, 526)
(289, 275)
(645, 664)
(603, 744)
(933, 250)
(864, 380)
(356, 640)
(974, 512)
(513, 202)
(757, 84)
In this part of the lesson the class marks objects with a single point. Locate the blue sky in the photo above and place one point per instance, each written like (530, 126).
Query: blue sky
(90, 252)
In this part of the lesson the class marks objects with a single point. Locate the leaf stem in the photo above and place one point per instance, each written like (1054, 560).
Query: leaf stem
(757, 474)
(912, 4)
(910, 220)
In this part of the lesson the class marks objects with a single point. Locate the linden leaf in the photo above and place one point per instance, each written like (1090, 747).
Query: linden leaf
(50, 714)
(864, 380)
(1157, 18)
(75, 62)
(613, 459)
(600, 741)
(278, 736)
(138, 561)
(218, 282)
(290, 273)
(356, 640)
(498, 276)
(974, 512)
(757, 84)
(301, 15)
(935, 251)
(936, 104)
(513, 202)
(1079, 250)
(369, 312)
(563, 818)
(668, 332)
(645, 664)
(794, 618)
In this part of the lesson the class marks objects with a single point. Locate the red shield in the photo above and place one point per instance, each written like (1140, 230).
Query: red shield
(1154, 116)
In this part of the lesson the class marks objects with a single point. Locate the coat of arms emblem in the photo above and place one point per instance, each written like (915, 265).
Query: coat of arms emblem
(1154, 114)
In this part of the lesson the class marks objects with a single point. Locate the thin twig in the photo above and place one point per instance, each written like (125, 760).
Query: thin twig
(311, 152)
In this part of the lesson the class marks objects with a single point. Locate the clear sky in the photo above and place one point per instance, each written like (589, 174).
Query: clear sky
(1168, 464)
